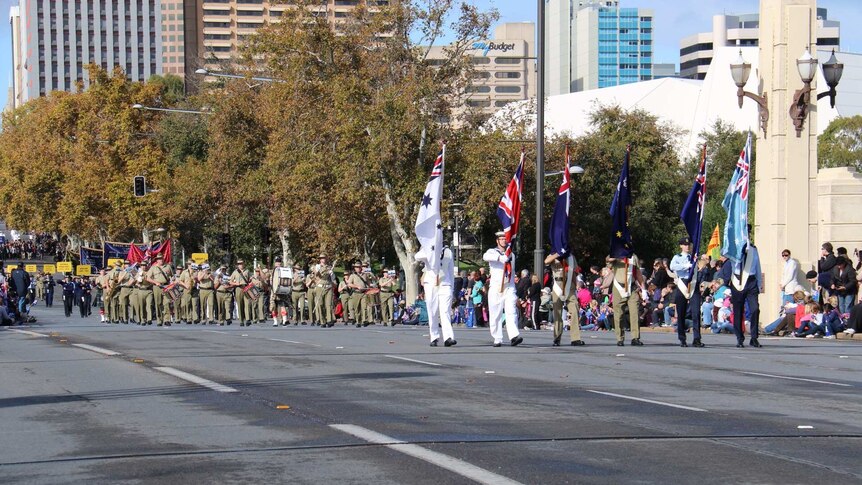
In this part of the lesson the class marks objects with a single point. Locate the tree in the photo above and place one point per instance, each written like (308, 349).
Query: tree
(841, 144)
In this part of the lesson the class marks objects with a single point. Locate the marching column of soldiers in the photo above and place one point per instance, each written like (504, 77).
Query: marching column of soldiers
(147, 293)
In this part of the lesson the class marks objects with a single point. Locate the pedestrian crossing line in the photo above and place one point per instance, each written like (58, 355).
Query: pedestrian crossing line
(99, 350)
(660, 403)
(796, 379)
(292, 342)
(413, 360)
(215, 386)
(27, 332)
(446, 462)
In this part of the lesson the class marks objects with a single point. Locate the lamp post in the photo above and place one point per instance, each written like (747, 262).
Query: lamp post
(171, 110)
(740, 72)
(807, 67)
(205, 72)
(539, 252)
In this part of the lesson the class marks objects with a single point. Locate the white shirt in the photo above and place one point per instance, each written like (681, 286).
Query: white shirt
(447, 268)
(497, 261)
(788, 279)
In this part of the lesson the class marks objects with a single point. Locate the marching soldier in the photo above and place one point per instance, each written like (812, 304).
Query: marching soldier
(265, 291)
(502, 300)
(359, 286)
(344, 296)
(625, 274)
(279, 299)
(144, 295)
(159, 275)
(239, 279)
(311, 285)
(108, 292)
(388, 284)
(195, 304)
(206, 290)
(685, 272)
(40, 286)
(124, 284)
(323, 293)
(185, 307)
(371, 297)
(297, 295)
(564, 295)
(224, 296)
(256, 297)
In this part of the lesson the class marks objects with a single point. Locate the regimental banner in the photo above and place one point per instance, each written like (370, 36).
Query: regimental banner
(84, 270)
(31, 268)
(93, 257)
(64, 267)
(200, 258)
(49, 269)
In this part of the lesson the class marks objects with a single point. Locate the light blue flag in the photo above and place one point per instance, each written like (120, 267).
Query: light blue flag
(736, 204)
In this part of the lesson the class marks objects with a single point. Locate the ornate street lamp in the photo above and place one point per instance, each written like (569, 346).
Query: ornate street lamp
(807, 67)
(740, 71)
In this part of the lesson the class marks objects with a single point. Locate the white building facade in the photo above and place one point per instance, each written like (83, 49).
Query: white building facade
(58, 39)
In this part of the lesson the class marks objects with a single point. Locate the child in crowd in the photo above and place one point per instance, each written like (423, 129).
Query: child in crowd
(810, 323)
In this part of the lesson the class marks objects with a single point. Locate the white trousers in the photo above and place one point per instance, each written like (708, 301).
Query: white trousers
(498, 305)
(438, 300)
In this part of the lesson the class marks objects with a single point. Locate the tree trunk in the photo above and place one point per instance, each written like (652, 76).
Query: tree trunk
(145, 236)
(405, 245)
(286, 254)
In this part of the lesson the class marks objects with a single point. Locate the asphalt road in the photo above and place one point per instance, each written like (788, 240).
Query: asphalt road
(192, 404)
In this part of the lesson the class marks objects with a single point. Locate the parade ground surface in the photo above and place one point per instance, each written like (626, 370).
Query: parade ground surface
(85, 402)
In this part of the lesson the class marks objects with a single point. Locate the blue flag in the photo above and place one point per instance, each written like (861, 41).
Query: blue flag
(558, 233)
(621, 238)
(692, 210)
(736, 204)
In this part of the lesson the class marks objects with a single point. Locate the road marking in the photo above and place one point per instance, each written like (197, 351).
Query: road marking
(660, 403)
(96, 349)
(292, 342)
(215, 331)
(413, 360)
(796, 379)
(215, 386)
(446, 462)
(27, 332)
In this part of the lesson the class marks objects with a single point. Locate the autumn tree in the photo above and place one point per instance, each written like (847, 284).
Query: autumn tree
(840, 145)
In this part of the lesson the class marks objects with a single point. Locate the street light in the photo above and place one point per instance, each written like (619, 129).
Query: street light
(539, 252)
(205, 72)
(807, 67)
(740, 71)
(172, 110)
(573, 170)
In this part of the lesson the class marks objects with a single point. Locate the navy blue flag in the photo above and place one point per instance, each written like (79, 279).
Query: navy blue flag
(92, 257)
(692, 211)
(558, 233)
(621, 238)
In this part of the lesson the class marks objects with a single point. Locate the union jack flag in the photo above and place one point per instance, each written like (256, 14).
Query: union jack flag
(437, 170)
(736, 204)
(509, 211)
(744, 166)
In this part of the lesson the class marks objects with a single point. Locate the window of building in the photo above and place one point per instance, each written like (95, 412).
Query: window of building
(478, 89)
(479, 103)
(504, 60)
(508, 89)
(249, 13)
(480, 60)
(481, 75)
(507, 75)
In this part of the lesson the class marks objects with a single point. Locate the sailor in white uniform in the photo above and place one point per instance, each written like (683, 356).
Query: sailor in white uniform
(443, 297)
(501, 294)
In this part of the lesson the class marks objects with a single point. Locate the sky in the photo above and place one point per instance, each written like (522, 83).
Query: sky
(673, 20)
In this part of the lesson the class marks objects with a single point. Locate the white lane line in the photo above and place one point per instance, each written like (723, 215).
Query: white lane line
(795, 379)
(93, 348)
(215, 386)
(660, 403)
(215, 331)
(27, 332)
(413, 360)
(292, 342)
(446, 462)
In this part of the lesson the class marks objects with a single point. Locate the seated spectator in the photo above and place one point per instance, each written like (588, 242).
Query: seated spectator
(854, 321)
(584, 296)
(832, 323)
(706, 312)
(810, 324)
(724, 320)
(545, 307)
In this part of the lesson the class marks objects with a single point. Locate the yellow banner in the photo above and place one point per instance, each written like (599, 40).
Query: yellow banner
(83, 270)
(49, 269)
(31, 268)
(64, 267)
(112, 260)
(200, 258)
(10, 267)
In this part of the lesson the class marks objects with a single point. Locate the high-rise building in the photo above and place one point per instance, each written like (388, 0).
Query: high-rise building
(695, 51)
(173, 37)
(596, 44)
(505, 69)
(54, 41)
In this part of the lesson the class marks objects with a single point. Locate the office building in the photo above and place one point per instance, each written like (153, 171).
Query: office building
(505, 70)
(54, 41)
(695, 51)
(596, 44)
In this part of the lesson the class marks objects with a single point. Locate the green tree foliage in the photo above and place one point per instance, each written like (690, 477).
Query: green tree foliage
(841, 144)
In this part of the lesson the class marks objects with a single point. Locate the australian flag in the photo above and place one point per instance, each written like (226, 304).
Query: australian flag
(736, 204)
(558, 233)
(509, 211)
(692, 211)
(429, 228)
(621, 237)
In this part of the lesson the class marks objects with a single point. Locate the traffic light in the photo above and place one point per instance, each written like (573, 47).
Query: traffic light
(140, 186)
(223, 240)
(265, 236)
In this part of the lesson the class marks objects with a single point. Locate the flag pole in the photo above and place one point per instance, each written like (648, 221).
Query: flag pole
(538, 253)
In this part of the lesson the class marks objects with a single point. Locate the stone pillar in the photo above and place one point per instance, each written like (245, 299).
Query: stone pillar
(839, 195)
(785, 212)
